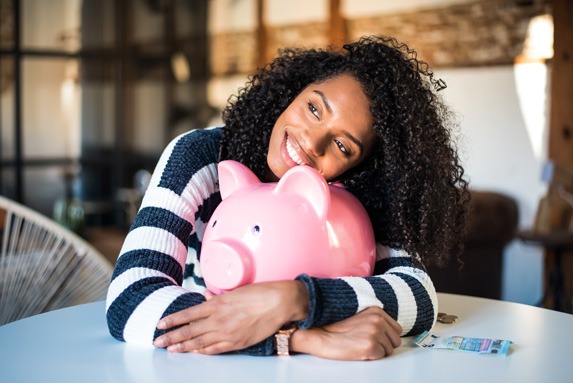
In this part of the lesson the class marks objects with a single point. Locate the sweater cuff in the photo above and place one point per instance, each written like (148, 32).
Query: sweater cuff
(263, 348)
(331, 300)
(312, 307)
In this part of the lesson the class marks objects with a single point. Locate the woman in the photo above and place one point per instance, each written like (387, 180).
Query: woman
(366, 116)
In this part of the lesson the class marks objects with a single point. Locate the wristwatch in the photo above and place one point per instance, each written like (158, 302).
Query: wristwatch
(282, 338)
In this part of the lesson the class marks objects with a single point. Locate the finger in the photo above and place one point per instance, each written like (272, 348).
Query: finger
(181, 334)
(206, 344)
(395, 325)
(184, 316)
(386, 347)
(189, 345)
(216, 348)
(173, 337)
(209, 295)
(388, 339)
(394, 337)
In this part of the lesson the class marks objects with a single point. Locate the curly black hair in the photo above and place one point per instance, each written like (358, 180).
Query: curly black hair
(412, 183)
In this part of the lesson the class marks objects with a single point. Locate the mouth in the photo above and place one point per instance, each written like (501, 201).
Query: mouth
(292, 153)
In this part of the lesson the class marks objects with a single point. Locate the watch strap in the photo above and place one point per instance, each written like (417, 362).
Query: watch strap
(282, 338)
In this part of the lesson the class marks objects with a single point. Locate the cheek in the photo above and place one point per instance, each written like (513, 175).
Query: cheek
(274, 160)
(332, 169)
(274, 145)
(276, 135)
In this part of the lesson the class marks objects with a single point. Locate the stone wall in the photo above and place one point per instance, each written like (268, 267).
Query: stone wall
(475, 34)
(233, 53)
(485, 32)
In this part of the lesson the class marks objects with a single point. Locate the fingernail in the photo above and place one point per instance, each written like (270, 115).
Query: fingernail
(160, 342)
(173, 348)
(161, 325)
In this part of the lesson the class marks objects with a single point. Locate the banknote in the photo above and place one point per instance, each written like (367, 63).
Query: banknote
(460, 343)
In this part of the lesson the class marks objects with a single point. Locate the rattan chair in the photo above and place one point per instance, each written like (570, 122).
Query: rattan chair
(44, 266)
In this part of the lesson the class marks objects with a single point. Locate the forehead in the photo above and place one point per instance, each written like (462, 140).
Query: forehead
(343, 83)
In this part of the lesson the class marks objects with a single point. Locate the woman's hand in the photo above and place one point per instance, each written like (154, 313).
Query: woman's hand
(370, 334)
(235, 320)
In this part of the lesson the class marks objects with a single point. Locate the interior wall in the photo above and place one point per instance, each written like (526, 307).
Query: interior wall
(499, 155)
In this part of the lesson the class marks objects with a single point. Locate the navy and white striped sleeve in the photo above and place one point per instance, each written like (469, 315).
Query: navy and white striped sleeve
(146, 283)
(403, 290)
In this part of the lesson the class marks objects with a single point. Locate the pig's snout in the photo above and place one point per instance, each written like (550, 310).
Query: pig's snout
(225, 264)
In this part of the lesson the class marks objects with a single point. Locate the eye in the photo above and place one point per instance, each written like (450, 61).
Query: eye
(342, 148)
(214, 223)
(256, 230)
(313, 110)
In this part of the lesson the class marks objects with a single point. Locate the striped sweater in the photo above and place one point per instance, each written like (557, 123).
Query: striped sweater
(157, 272)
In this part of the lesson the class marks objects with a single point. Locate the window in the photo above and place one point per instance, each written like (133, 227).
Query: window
(91, 91)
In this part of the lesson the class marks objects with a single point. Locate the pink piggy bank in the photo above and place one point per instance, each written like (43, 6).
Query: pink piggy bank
(276, 231)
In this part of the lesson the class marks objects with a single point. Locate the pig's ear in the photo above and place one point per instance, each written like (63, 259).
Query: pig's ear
(307, 182)
(234, 176)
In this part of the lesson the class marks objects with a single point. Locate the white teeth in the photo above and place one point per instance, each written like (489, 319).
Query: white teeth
(292, 153)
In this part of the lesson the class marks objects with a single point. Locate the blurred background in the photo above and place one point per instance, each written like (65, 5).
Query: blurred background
(91, 91)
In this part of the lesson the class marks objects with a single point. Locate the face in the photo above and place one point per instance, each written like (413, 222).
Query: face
(328, 126)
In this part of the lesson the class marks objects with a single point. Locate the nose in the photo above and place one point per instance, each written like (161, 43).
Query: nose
(314, 141)
(225, 264)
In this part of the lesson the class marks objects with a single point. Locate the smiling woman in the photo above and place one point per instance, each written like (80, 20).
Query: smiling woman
(366, 116)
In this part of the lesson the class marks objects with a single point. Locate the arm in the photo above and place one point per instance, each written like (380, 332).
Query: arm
(244, 319)
(344, 320)
(146, 283)
(369, 335)
(404, 291)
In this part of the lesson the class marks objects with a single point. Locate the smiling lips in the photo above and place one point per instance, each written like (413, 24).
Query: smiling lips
(292, 153)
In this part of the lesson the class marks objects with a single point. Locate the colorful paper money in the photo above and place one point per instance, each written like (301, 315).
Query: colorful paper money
(459, 343)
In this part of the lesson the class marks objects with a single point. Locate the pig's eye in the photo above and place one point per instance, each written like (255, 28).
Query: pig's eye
(256, 230)
(214, 223)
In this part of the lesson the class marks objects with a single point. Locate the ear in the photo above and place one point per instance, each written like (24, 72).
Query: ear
(308, 183)
(234, 176)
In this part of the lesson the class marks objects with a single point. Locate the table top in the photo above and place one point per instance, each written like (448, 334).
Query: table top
(73, 344)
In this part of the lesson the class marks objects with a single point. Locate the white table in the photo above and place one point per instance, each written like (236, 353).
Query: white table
(73, 345)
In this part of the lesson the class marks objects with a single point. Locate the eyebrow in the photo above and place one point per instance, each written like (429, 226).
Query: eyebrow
(350, 136)
(324, 99)
(356, 141)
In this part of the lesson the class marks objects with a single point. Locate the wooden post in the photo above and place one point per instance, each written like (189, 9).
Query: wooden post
(561, 112)
(262, 36)
(337, 25)
(561, 115)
